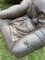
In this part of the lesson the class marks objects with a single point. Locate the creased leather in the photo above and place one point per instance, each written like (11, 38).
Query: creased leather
(26, 33)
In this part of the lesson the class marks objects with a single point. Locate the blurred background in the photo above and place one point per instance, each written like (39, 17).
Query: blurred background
(4, 51)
